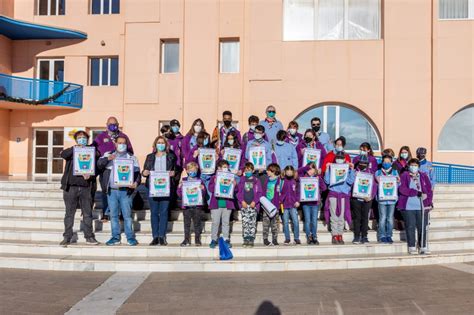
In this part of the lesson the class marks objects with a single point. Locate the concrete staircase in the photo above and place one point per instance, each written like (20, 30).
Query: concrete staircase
(31, 227)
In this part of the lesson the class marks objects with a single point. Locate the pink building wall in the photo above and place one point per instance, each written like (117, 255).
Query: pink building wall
(408, 83)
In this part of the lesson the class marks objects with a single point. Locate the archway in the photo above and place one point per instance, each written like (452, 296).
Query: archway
(458, 132)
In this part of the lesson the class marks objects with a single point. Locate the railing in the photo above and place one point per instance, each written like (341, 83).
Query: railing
(40, 92)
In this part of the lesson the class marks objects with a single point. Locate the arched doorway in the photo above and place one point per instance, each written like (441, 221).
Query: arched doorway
(342, 120)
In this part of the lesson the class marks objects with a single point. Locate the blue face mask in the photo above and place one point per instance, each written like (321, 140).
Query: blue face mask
(122, 148)
(248, 174)
(192, 174)
(160, 147)
(206, 141)
(82, 141)
(386, 165)
(175, 129)
(271, 114)
(339, 148)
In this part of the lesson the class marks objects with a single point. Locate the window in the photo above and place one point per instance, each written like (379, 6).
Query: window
(229, 56)
(456, 9)
(458, 132)
(170, 56)
(338, 121)
(331, 19)
(104, 71)
(51, 7)
(105, 6)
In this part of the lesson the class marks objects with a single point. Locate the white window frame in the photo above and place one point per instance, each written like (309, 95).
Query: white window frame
(102, 8)
(51, 67)
(163, 42)
(109, 70)
(346, 25)
(49, 7)
(470, 14)
(49, 158)
(223, 41)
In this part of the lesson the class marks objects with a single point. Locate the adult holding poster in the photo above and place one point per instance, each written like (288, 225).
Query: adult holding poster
(160, 170)
(120, 167)
(308, 147)
(77, 183)
(232, 153)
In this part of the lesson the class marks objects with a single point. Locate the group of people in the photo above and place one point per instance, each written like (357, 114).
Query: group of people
(277, 183)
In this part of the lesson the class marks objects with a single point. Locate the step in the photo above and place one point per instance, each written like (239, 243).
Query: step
(177, 237)
(145, 251)
(238, 264)
(178, 226)
(454, 187)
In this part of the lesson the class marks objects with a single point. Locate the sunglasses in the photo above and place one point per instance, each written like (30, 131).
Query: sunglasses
(271, 111)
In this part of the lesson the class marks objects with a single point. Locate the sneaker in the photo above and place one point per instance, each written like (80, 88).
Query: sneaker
(275, 242)
(389, 240)
(91, 241)
(382, 240)
(287, 242)
(356, 240)
(424, 251)
(309, 240)
(65, 242)
(229, 243)
(335, 240)
(185, 243)
(297, 242)
(365, 240)
(412, 251)
(245, 244)
(162, 241)
(105, 219)
(132, 242)
(340, 240)
(197, 241)
(155, 242)
(266, 242)
(112, 242)
(213, 244)
(315, 241)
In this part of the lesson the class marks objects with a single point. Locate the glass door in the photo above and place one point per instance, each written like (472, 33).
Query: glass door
(47, 146)
(51, 70)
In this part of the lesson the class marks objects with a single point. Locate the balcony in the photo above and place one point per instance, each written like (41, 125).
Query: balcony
(27, 93)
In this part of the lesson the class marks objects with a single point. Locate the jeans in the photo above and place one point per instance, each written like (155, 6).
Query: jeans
(75, 196)
(386, 220)
(159, 215)
(120, 202)
(360, 217)
(293, 213)
(311, 219)
(413, 226)
(218, 216)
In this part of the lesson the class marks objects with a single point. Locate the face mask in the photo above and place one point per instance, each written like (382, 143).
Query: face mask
(292, 131)
(230, 141)
(227, 123)
(160, 147)
(175, 129)
(122, 147)
(225, 169)
(413, 169)
(206, 141)
(252, 127)
(248, 174)
(258, 136)
(280, 142)
(308, 139)
(339, 148)
(82, 141)
(404, 156)
(316, 128)
(363, 152)
(197, 129)
(271, 114)
(192, 174)
(386, 165)
(112, 127)
(339, 161)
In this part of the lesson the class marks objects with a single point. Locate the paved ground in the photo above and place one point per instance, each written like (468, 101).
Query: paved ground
(417, 290)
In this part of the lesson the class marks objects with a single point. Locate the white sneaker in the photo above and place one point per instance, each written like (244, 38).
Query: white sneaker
(424, 251)
(412, 251)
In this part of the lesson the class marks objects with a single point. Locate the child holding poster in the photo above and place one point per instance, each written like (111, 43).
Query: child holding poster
(386, 207)
(310, 141)
(337, 207)
(202, 142)
(311, 208)
(248, 196)
(221, 208)
(193, 212)
(262, 157)
(289, 198)
(271, 191)
(363, 192)
(232, 153)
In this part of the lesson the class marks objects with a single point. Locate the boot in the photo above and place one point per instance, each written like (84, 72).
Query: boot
(197, 240)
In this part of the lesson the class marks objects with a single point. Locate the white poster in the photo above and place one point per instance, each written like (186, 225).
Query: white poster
(257, 157)
(309, 189)
(363, 185)
(233, 156)
(388, 188)
(159, 184)
(207, 161)
(338, 173)
(312, 156)
(84, 161)
(224, 185)
(123, 172)
(192, 193)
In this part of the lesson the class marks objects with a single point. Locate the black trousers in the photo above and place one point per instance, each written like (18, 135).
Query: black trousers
(74, 197)
(414, 228)
(360, 217)
(194, 214)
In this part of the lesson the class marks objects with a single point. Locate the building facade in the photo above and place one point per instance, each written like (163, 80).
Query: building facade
(394, 72)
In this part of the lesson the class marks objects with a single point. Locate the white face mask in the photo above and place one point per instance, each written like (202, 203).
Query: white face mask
(197, 129)
(252, 127)
(363, 152)
(404, 155)
(292, 131)
(121, 147)
(258, 136)
(339, 161)
(230, 141)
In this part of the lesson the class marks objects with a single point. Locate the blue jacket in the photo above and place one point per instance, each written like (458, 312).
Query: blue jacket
(271, 131)
(427, 168)
(325, 140)
(286, 155)
(345, 187)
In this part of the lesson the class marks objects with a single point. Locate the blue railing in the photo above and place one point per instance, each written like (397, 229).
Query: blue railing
(40, 92)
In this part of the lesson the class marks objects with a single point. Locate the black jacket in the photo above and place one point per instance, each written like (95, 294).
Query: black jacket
(104, 179)
(68, 156)
(171, 165)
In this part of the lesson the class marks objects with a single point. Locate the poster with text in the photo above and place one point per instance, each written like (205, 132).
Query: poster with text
(233, 156)
(123, 172)
(224, 185)
(159, 184)
(84, 161)
(207, 161)
(388, 188)
(192, 193)
(309, 189)
(257, 156)
(312, 156)
(363, 185)
(338, 173)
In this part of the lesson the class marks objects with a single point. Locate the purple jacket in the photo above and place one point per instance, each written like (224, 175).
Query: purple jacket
(230, 203)
(290, 193)
(295, 141)
(175, 146)
(322, 185)
(257, 189)
(180, 192)
(341, 198)
(373, 164)
(276, 196)
(185, 146)
(223, 134)
(104, 143)
(374, 185)
(302, 145)
(405, 191)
